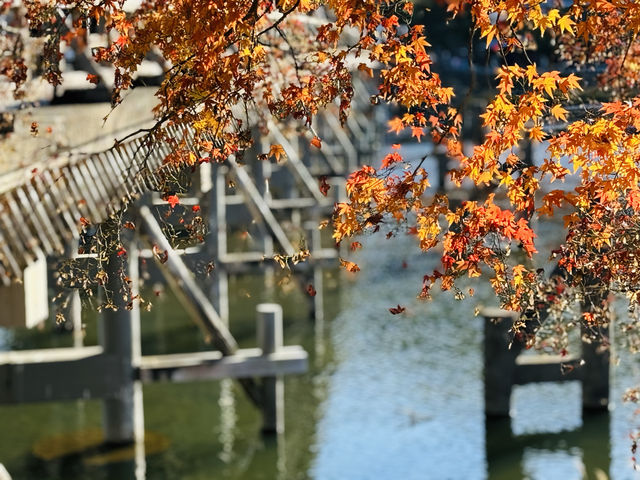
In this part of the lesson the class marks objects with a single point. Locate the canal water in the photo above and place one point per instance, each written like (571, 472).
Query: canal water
(386, 397)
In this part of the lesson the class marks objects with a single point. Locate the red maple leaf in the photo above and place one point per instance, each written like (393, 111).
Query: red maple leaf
(324, 186)
(316, 142)
(172, 200)
(396, 310)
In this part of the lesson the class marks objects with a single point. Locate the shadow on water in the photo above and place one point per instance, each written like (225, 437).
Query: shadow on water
(580, 453)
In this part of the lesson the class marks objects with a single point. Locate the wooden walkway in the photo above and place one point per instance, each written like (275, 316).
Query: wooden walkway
(43, 203)
(42, 212)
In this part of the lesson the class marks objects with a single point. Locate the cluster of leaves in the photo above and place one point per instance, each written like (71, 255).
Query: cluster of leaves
(232, 64)
(598, 151)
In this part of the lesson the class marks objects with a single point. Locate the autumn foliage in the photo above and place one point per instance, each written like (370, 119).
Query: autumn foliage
(232, 64)
(597, 149)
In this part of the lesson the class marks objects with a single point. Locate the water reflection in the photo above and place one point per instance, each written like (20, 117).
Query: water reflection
(227, 420)
(406, 401)
(388, 397)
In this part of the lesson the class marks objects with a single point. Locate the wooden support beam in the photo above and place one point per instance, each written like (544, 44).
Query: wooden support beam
(4, 475)
(343, 139)
(26, 304)
(294, 162)
(255, 200)
(115, 336)
(270, 335)
(499, 362)
(546, 368)
(212, 365)
(58, 374)
(192, 297)
(505, 366)
(287, 203)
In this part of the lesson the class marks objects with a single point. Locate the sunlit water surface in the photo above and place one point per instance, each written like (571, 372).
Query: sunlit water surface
(387, 397)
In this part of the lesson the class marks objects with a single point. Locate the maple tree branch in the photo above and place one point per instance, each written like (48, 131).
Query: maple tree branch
(472, 70)
(252, 10)
(285, 14)
(293, 53)
(524, 50)
(147, 131)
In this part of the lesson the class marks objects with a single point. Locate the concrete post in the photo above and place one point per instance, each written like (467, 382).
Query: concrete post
(116, 339)
(269, 318)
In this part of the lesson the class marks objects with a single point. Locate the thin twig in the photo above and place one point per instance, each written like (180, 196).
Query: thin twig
(285, 14)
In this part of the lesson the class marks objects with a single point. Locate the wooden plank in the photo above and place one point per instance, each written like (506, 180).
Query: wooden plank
(17, 221)
(129, 154)
(286, 203)
(87, 191)
(5, 275)
(139, 155)
(74, 195)
(39, 222)
(11, 246)
(540, 369)
(245, 363)
(57, 375)
(131, 186)
(105, 169)
(242, 257)
(99, 183)
(23, 357)
(544, 359)
(295, 163)
(44, 201)
(125, 188)
(254, 198)
(65, 205)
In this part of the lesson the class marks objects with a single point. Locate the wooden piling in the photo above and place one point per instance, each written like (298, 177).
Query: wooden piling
(504, 367)
(499, 362)
(269, 326)
(595, 376)
(116, 339)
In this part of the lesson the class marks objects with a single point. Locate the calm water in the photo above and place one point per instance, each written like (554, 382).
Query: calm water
(387, 397)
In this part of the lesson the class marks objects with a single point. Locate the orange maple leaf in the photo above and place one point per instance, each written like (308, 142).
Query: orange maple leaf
(277, 151)
(396, 125)
(172, 200)
(349, 266)
(417, 132)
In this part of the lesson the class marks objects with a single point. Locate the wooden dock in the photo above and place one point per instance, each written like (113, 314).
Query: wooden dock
(45, 203)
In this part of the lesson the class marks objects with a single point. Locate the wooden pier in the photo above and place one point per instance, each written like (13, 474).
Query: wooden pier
(43, 206)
